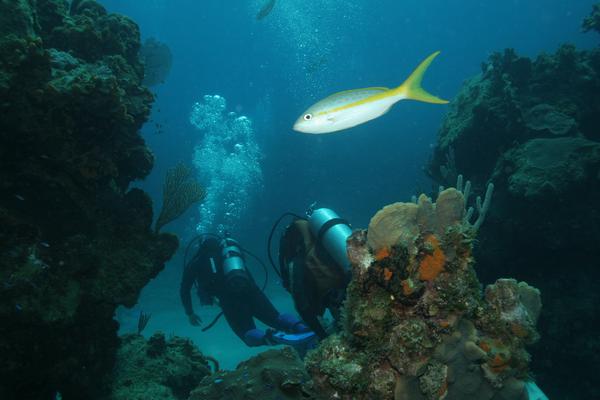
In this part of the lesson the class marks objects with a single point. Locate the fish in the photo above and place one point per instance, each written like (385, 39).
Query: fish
(265, 9)
(350, 108)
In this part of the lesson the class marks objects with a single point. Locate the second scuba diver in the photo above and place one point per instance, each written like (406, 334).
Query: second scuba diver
(314, 266)
(218, 270)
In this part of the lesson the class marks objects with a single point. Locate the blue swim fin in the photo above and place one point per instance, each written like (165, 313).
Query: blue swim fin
(534, 392)
(302, 342)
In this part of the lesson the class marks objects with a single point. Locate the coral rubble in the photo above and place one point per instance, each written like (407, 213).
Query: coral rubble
(532, 126)
(75, 240)
(271, 375)
(416, 323)
(156, 368)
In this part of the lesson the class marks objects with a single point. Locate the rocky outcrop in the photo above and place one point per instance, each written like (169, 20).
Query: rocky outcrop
(156, 368)
(75, 240)
(513, 100)
(273, 374)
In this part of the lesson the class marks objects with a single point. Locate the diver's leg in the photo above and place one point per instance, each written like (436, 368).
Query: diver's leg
(266, 312)
(263, 309)
(239, 318)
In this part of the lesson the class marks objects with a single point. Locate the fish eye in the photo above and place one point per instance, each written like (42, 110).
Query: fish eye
(307, 117)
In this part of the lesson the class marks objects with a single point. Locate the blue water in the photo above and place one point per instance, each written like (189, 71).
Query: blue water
(271, 70)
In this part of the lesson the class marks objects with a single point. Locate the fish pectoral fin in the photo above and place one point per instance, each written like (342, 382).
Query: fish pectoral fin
(330, 118)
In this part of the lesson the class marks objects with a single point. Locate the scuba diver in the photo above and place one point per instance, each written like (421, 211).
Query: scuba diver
(313, 264)
(218, 270)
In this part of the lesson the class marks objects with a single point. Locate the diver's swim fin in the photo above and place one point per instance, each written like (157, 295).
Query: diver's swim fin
(534, 392)
(302, 342)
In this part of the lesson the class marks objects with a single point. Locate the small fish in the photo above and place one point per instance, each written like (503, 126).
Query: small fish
(19, 197)
(347, 109)
(265, 9)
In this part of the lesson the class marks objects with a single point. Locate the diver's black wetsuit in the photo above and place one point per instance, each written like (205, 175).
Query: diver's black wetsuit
(240, 298)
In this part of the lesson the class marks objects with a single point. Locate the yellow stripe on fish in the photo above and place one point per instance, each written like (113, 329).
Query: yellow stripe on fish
(349, 108)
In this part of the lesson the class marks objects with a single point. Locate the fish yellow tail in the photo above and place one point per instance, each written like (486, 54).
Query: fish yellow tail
(411, 88)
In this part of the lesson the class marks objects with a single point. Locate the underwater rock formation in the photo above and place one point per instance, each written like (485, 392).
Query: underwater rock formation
(532, 127)
(271, 375)
(156, 368)
(516, 99)
(416, 325)
(592, 22)
(75, 242)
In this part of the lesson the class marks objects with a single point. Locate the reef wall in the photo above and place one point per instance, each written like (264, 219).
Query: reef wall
(416, 325)
(533, 128)
(75, 240)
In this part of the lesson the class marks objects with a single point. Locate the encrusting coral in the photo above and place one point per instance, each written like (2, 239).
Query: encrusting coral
(416, 324)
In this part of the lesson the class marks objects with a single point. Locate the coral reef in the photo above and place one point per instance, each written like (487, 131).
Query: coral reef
(532, 126)
(75, 240)
(516, 99)
(156, 368)
(416, 325)
(180, 191)
(592, 22)
(271, 375)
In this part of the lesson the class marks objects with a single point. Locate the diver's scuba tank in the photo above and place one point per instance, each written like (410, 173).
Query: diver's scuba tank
(234, 267)
(332, 232)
